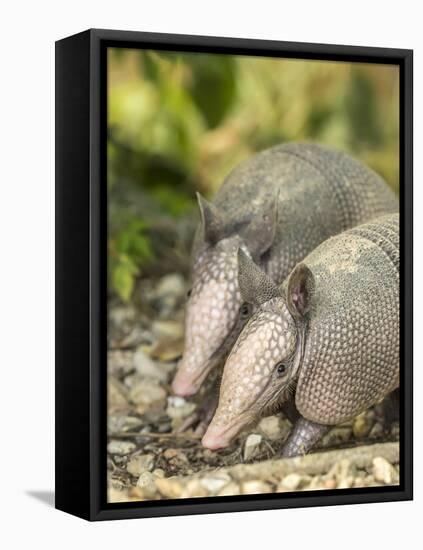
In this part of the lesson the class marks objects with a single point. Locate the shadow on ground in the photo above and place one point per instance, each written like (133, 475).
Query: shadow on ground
(46, 497)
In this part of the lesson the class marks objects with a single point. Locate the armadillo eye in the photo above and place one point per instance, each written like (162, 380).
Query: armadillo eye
(189, 292)
(280, 368)
(245, 310)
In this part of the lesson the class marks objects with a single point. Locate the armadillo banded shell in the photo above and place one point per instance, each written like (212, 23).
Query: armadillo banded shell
(351, 358)
(340, 193)
(322, 192)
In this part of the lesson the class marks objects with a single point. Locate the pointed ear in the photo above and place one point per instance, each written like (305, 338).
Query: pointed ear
(256, 287)
(300, 290)
(211, 220)
(260, 233)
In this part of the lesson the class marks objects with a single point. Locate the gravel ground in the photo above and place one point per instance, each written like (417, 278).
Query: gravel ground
(149, 459)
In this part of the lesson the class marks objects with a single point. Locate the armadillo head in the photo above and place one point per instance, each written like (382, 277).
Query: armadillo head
(263, 366)
(215, 312)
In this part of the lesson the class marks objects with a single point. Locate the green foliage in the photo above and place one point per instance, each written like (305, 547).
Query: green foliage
(179, 122)
(129, 249)
(217, 73)
(361, 109)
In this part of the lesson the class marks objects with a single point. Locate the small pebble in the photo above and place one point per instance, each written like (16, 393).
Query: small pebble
(175, 456)
(116, 447)
(383, 471)
(290, 482)
(139, 464)
(146, 482)
(169, 487)
(147, 395)
(121, 423)
(337, 435)
(341, 471)
(168, 329)
(251, 447)
(116, 395)
(147, 368)
(115, 495)
(194, 488)
(178, 408)
(362, 425)
(377, 431)
(230, 489)
(215, 484)
(170, 288)
(255, 487)
(271, 427)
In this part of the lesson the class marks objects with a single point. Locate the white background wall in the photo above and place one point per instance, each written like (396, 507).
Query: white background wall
(27, 37)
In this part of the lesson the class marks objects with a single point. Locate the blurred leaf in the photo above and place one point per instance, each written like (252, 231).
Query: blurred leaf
(318, 119)
(361, 109)
(124, 277)
(213, 85)
(134, 243)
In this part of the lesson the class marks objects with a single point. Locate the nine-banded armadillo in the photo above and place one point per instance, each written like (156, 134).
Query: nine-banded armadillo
(277, 207)
(329, 335)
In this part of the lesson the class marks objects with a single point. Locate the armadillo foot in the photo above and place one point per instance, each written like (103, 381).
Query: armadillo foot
(201, 418)
(303, 437)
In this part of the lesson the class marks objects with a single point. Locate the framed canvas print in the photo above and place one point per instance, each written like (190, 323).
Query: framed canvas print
(233, 274)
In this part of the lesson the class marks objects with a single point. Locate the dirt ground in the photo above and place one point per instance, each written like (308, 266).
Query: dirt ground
(148, 458)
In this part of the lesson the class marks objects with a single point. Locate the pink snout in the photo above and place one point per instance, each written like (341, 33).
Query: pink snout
(214, 439)
(183, 386)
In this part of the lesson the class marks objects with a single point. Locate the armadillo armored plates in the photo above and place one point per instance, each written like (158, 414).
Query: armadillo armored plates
(329, 335)
(277, 207)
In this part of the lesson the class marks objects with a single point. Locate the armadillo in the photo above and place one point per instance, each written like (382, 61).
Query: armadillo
(329, 336)
(277, 206)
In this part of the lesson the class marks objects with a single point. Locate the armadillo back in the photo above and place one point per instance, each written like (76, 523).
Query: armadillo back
(322, 192)
(352, 350)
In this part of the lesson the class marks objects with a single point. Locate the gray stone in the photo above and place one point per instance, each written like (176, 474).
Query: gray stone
(139, 464)
(255, 487)
(122, 423)
(291, 482)
(362, 425)
(116, 447)
(252, 445)
(146, 482)
(148, 368)
(383, 471)
(119, 362)
(170, 287)
(169, 487)
(147, 394)
(214, 484)
(116, 395)
(271, 427)
(231, 488)
(178, 408)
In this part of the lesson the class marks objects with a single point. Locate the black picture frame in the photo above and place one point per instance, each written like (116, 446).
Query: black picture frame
(81, 267)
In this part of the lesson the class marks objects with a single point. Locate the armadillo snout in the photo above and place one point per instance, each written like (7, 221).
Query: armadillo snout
(219, 436)
(213, 439)
(183, 384)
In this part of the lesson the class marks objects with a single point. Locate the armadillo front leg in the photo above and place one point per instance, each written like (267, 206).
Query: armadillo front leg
(290, 411)
(303, 437)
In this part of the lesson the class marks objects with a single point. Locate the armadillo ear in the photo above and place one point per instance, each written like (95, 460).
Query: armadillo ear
(256, 287)
(211, 220)
(300, 290)
(260, 233)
